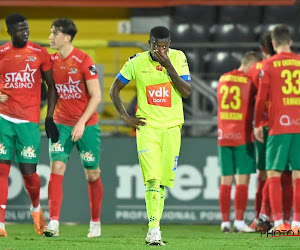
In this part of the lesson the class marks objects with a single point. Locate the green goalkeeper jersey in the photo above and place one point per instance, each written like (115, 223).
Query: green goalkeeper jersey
(158, 100)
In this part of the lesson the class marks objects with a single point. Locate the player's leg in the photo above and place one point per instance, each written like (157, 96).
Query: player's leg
(161, 206)
(263, 222)
(7, 134)
(228, 171)
(150, 155)
(32, 184)
(261, 180)
(95, 190)
(296, 202)
(240, 202)
(59, 153)
(170, 148)
(262, 201)
(55, 196)
(28, 139)
(4, 173)
(278, 147)
(295, 166)
(162, 200)
(287, 197)
(89, 151)
(261, 166)
(244, 159)
(225, 201)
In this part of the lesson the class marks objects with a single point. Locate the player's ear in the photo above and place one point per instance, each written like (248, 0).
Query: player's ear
(291, 43)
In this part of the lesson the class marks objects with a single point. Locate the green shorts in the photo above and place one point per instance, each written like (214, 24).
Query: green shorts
(237, 160)
(88, 146)
(261, 150)
(283, 149)
(25, 137)
(158, 152)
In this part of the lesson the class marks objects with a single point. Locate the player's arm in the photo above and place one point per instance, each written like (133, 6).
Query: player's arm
(52, 93)
(260, 104)
(181, 85)
(93, 87)
(115, 89)
(50, 127)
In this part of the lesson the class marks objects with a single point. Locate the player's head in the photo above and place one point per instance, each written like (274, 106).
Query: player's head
(63, 32)
(248, 60)
(281, 36)
(159, 39)
(266, 45)
(17, 28)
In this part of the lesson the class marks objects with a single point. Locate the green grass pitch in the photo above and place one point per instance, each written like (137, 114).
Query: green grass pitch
(183, 237)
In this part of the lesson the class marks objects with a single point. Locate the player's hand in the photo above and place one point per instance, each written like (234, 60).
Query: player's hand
(77, 131)
(259, 134)
(3, 97)
(162, 58)
(135, 121)
(51, 129)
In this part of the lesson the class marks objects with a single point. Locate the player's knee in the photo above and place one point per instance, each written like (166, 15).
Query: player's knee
(227, 180)
(27, 168)
(92, 175)
(296, 174)
(263, 175)
(58, 167)
(243, 179)
(273, 173)
(153, 183)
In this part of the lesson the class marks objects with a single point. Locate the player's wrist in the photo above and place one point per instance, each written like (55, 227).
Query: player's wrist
(124, 117)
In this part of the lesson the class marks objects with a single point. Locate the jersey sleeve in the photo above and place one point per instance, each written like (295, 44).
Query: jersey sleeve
(46, 64)
(88, 69)
(127, 72)
(183, 68)
(262, 96)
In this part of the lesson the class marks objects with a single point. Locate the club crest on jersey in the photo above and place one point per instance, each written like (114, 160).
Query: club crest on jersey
(30, 59)
(93, 70)
(159, 68)
(159, 94)
(3, 151)
(87, 156)
(56, 147)
(28, 153)
(73, 71)
(21, 79)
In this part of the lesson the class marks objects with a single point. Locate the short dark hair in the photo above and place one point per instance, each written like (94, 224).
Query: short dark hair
(65, 26)
(266, 43)
(160, 32)
(13, 19)
(250, 57)
(281, 34)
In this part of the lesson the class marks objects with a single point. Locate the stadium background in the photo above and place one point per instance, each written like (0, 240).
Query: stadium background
(213, 34)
